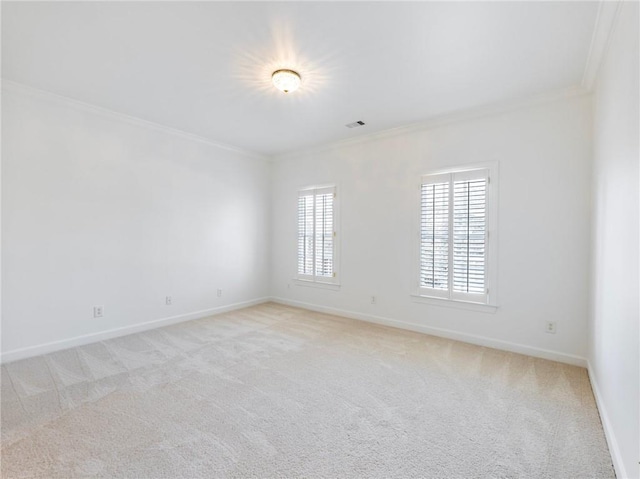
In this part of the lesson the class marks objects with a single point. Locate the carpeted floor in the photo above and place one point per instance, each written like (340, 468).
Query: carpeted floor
(274, 391)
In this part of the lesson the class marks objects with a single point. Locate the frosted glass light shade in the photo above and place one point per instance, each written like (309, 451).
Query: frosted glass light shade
(286, 80)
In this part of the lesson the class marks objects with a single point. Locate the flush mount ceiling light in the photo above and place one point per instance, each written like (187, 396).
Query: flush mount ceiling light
(286, 80)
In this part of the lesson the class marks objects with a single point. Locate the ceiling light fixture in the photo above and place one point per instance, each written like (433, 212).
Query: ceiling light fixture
(285, 80)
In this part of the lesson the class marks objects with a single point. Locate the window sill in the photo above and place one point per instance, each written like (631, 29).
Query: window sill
(316, 284)
(454, 303)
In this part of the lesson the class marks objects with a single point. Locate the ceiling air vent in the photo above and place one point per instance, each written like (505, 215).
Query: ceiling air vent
(355, 124)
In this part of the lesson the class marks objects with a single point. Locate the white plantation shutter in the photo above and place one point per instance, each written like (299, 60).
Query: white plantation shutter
(434, 234)
(305, 233)
(454, 235)
(324, 234)
(316, 234)
(469, 234)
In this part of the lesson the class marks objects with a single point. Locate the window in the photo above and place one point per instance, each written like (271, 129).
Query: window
(316, 235)
(455, 222)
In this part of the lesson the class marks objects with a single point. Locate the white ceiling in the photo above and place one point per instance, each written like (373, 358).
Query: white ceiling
(205, 67)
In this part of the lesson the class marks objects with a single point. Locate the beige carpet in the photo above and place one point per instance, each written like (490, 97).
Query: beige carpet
(273, 391)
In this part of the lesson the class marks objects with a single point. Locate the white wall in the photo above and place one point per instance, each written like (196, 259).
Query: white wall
(614, 317)
(544, 226)
(101, 210)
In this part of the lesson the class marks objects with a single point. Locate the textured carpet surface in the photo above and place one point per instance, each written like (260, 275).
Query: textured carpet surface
(274, 391)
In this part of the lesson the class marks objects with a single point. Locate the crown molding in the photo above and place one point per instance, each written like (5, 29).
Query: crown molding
(608, 12)
(436, 122)
(439, 121)
(10, 85)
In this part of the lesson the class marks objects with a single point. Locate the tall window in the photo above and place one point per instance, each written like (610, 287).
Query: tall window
(316, 235)
(454, 236)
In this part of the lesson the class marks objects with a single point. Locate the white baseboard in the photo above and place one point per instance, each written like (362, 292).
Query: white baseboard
(444, 333)
(45, 348)
(614, 450)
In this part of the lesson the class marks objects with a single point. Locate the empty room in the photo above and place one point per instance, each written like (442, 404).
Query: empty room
(320, 240)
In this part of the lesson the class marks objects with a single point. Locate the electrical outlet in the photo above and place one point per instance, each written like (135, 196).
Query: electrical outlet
(98, 311)
(550, 327)
(373, 300)
(219, 293)
(168, 301)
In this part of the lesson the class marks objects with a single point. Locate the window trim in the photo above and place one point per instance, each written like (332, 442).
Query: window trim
(454, 303)
(313, 280)
(450, 298)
